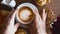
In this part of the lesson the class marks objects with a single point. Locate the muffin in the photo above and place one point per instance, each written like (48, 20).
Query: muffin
(42, 2)
(21, 31)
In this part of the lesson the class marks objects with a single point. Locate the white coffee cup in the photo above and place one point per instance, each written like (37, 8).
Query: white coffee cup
(27, 5)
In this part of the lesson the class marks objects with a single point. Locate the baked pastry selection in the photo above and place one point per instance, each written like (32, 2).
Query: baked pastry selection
(50, 16)
(42, 2)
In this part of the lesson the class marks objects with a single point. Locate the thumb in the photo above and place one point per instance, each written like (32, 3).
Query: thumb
(44, 15)
(17, 25)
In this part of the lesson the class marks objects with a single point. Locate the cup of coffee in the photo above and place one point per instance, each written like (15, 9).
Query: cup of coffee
(25, 13)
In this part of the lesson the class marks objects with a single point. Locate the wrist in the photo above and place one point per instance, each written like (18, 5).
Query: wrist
(41, 31)
(8, 32)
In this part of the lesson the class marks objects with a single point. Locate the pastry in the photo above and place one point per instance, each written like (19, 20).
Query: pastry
(42, 2)
(21, 31)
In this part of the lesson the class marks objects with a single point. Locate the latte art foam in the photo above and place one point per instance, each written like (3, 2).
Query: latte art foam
(26, 14)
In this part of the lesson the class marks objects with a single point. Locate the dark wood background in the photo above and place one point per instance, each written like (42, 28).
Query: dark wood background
(54, 5)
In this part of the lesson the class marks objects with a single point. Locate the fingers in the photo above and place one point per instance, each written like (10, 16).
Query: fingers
(17, 25)
(37, 17)
(7, 20)
(44, 15)
(11, 13)
(12, 19)
(36, 13)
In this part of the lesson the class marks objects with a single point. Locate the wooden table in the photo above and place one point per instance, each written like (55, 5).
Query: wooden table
(54, 5)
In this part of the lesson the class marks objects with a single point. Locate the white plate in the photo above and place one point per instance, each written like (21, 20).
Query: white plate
(33, 7)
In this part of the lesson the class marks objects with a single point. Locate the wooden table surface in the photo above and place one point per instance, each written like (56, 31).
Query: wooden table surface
(54, 5)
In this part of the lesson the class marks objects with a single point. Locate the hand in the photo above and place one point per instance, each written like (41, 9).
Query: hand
(10, 25)
(41, 22)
